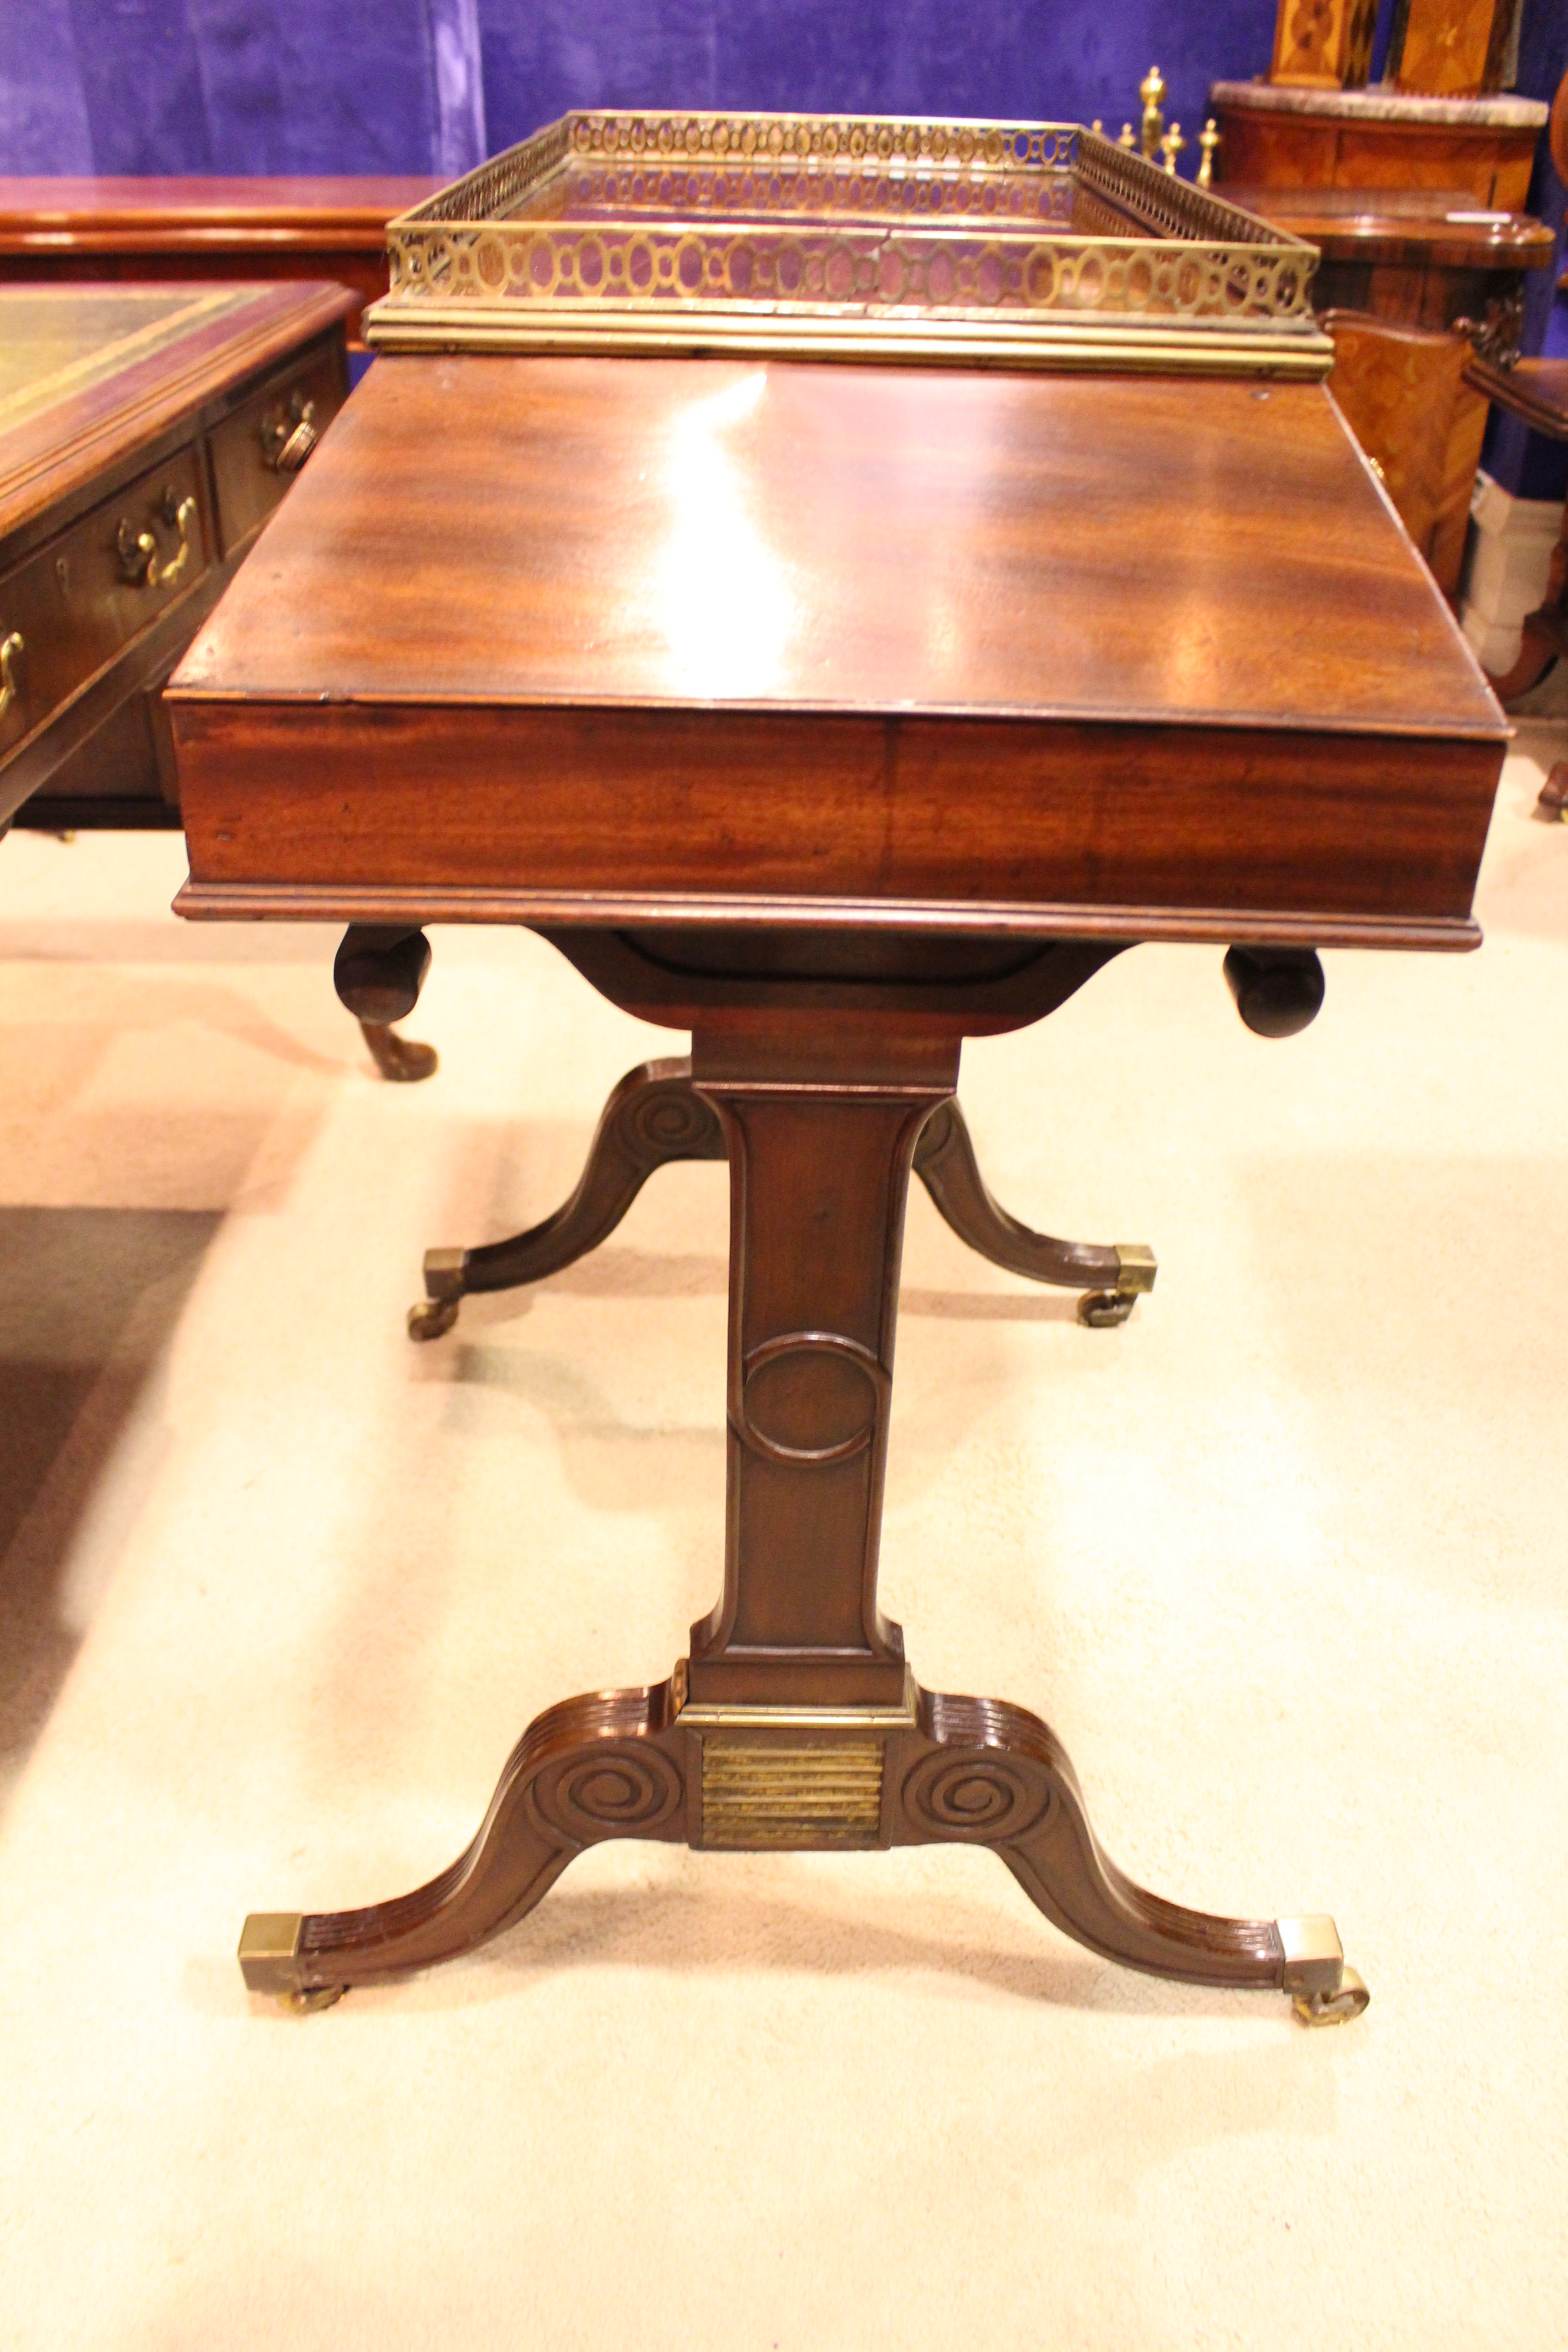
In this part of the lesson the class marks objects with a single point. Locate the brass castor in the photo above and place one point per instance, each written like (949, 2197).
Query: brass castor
(1136, 1267)
(269, 1958)
(303, 2004)
(444, 1284)
(1337, 2008)
(432, 1317)
(1102, 1310)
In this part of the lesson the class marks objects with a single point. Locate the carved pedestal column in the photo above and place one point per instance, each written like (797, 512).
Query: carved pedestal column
(819, 1170)
(795, 1721)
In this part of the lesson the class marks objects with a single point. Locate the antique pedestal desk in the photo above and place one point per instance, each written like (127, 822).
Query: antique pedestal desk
(146, 433)
(58, 230)
(835, 713)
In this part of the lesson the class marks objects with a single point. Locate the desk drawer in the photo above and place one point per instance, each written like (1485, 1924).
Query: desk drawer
(253, 461)
(87, 594)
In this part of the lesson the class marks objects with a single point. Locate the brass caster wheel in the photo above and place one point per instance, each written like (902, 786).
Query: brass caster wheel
(1136, 1267)
(432, 1316)
(1102, 1310)
(304, 2004)
(1334, 2008)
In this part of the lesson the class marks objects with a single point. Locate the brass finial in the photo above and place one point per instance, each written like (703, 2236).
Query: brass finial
(1209, 139)
(1098, 128)
(1127, 139)
(1171, 147)
(1152, 91)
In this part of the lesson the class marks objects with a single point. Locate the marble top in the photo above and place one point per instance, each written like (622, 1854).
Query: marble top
(1381, 104)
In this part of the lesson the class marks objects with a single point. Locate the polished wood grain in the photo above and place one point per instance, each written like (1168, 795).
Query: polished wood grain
(1406, 255)
(631, 1764)
(1397, 388)
(61, 213)
(1451, 48)
(665, 631)
(1418, 230)
(1535, 390)
(795, 1723)
(1492, 163)
(587, 532)
(1068, 831)
(1325, 47)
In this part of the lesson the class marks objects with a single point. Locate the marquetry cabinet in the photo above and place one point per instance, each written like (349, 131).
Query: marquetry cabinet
(1478, 149)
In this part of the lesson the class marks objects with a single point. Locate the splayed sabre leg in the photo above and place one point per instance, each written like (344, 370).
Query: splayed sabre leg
(795, 1722)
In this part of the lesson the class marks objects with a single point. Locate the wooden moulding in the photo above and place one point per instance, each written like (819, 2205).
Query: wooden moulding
(56, 215)
(561, 816)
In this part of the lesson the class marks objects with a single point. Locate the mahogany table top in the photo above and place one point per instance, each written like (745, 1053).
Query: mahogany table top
(534, 638)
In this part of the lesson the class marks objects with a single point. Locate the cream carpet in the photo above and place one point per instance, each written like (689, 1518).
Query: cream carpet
(1283, 1562)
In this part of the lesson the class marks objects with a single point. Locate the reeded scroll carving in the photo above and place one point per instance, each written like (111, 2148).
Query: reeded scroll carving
(599, 1766)
(979, 1794)
(995, 1775)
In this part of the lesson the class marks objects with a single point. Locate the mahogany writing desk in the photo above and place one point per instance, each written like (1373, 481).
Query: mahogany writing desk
(142, 440)
(58, 230)
(834, 714)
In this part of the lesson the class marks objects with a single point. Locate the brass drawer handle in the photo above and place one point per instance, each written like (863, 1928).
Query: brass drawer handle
(11, 652)
(289, 435)
(298, 447)
(138, 551)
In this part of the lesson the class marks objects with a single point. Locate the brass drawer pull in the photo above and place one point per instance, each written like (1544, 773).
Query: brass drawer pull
(289, 435)
(11, 652)
(298, 447)
(138, 551)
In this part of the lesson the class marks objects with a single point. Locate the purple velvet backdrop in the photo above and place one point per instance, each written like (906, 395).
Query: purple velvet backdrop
(416, 85)
(242, 86)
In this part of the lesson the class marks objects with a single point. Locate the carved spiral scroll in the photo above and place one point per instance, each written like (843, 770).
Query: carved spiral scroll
(982, 1793)
(624, 1790)
(671, 1121)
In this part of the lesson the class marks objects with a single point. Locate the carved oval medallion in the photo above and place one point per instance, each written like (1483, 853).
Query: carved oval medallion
(981, 1793)
(811, 1396)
